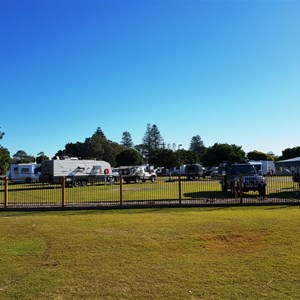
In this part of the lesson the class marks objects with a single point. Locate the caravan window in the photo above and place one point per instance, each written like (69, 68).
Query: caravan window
(97, 169)
(16, 170)
(25, 171)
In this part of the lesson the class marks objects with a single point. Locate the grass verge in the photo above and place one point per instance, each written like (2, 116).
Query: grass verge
(196, 253)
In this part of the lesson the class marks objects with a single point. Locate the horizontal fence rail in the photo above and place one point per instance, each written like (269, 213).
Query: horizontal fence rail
(166, 190)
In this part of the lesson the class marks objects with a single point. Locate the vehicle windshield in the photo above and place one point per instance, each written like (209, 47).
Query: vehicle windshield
(242, 169)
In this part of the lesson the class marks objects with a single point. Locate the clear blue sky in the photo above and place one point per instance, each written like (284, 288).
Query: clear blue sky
(228, 71)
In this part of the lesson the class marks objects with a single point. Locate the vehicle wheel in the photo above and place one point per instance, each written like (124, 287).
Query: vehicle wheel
(127, 181)
(76, 183)
(45, 178)
(224, 189)
(233, 190)
(137, 180)
(83, 182)
(152, 178)
(28, 180)
(262, 191)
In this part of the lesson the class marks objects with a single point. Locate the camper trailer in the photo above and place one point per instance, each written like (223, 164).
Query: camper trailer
(76, 172)
(29, 172)
(264, 167)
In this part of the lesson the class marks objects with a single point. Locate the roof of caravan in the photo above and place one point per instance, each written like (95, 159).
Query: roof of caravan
(291, 160)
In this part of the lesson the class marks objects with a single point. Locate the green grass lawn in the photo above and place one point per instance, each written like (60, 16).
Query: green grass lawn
(195, 253)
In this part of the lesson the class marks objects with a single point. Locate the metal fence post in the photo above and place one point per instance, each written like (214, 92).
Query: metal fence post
(179, 188)
(121, 190)
(63, 189)
(6, 193)
(240, 189)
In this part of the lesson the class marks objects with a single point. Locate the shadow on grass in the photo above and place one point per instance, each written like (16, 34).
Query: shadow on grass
(285, 195)
(208, 195)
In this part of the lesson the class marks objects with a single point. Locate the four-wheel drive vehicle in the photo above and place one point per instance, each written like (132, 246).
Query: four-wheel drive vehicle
(194, 171)
(241, 176)
(137, 173)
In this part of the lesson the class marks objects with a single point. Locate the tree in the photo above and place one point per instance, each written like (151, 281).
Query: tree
(157, 140)
(290, 153)
(95, 147)
(187, 157)
(22, 157)
(127, 140)
(4, 160)
(40, 157)
(163, 158)
(219, 153)
(197, 144)
(257, 155)
(129, 157)
(1, 135)
(152, 140)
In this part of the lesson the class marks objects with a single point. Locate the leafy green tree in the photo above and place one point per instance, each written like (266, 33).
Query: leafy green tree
(152, 141)
(257, 155)
(95, 147)
(197, 144)
(22, 157)
(127, 140)
(163, 158)
(187, 157)
(1, 135)
(219, 153)
(129, 157)
(40, 157)
(4, 160)
(290, 153)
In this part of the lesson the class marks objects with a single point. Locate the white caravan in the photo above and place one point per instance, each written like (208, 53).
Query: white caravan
(76, 172)
(24, 172)
(264, 167)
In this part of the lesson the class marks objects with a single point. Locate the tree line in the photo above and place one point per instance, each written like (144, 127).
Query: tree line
(152, 150)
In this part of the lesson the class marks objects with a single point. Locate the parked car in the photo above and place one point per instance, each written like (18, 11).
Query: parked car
(211, 171)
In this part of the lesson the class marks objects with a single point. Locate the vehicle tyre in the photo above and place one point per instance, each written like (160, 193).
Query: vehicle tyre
(152, 178)
(224, 189)
(83, 182)
(136, 179)
(233, 189)
(28, 180)
(45, 178)
(262, 191)
(76, 183)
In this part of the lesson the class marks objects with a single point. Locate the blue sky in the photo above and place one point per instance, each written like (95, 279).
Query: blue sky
(228, 71)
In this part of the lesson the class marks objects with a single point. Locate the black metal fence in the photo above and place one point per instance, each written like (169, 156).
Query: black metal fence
(165, 191)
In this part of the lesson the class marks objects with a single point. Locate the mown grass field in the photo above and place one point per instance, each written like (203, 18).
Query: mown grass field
(195, 253)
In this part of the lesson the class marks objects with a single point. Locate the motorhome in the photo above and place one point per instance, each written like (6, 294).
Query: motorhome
(76, 172)
(29, 172)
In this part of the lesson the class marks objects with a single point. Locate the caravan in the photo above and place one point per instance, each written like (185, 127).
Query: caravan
(264, 167)
(77, 172)
(29, 172)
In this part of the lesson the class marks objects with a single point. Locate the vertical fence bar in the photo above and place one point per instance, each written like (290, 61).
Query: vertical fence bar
(240, 189)
(121, 190)
(6, 193)
(63, 190)
(179, 189)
